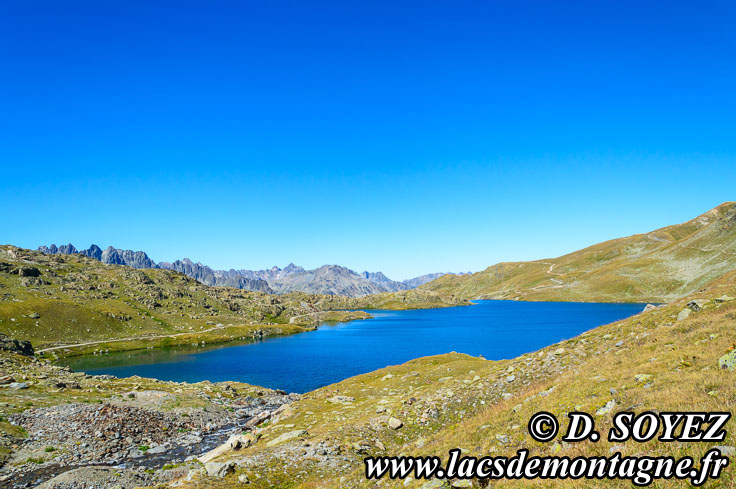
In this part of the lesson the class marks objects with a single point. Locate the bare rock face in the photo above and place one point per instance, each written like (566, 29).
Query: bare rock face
(208, 276)
(384, 282)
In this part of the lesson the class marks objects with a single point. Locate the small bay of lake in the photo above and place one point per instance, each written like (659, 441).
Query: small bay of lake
(303, 362)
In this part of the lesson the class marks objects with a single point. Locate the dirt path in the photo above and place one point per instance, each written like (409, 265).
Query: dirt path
(551, 267)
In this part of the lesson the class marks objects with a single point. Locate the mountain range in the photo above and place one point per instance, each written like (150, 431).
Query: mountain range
(327, 279)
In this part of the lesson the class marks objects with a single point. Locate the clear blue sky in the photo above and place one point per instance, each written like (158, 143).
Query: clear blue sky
(407, 137)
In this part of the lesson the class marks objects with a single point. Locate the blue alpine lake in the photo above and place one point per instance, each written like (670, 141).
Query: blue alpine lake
(307, 361)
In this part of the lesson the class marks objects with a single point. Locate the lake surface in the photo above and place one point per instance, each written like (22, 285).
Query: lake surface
(306, 361)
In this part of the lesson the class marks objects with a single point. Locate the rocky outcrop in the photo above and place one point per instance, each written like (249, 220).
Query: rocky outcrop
(17, 346)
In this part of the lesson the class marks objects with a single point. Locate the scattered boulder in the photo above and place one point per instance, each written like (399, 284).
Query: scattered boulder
(510, 378)
(607, 408)
(697, 305)
(461, 483)
(341, 399)
(726, 450)
(728, 361)
(237, 442)
(547, 392)
(29, 272)
(643, 378)
(219, 470)
(649, 307)
(394, 423)
(684, 314)
(286, 437)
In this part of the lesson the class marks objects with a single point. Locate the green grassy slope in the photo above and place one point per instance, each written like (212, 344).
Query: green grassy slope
(656, 267)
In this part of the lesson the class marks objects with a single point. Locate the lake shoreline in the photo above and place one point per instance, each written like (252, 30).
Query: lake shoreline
(330, 354)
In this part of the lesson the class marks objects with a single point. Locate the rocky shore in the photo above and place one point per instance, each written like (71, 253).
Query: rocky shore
(66, 429)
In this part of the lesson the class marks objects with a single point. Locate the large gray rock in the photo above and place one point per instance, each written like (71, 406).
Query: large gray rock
(290, 435)
(607, 408)
(29, 272)
(219, 470)
(697, 305)
(394, 423)
(17, 346)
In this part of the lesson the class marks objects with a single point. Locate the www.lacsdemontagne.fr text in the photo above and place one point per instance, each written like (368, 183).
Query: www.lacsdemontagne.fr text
(641, 471)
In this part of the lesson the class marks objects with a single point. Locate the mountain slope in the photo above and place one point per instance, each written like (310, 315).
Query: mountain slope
(208, 276)
(656, 267)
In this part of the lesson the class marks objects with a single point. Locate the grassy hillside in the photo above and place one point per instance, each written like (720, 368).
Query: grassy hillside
(652, 361)
(56, 300)
(655, 267)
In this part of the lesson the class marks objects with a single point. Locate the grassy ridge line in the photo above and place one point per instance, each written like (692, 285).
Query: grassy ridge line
(658, 266)
(651, 361)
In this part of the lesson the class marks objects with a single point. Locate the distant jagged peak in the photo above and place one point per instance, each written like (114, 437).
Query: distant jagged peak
(110, 256)
(291, 268)
(66, 249)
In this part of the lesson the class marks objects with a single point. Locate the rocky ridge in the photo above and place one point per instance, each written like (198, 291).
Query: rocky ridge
(327, 279)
